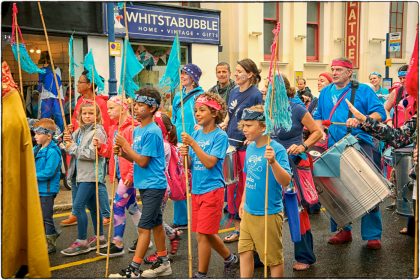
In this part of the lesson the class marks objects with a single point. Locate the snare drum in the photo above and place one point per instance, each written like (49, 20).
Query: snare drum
(348, 183)
(403, 162)
(230, 171)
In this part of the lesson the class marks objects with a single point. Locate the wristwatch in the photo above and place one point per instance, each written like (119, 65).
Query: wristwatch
(305, 146)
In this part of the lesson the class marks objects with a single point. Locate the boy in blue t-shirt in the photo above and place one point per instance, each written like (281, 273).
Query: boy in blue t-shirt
(47, 162)
(148, 156)
(252, 208)
(209, 146)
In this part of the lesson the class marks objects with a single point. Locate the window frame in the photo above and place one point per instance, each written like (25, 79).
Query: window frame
(396, 28)
(274, 21)
(316, 24)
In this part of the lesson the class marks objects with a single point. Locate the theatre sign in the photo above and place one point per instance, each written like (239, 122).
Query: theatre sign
(158, 22)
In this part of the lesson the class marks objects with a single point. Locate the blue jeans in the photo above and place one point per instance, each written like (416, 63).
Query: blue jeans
(304, 249)
(103, 198)
(86, 197)
(51, 108)
(47, 206)
(180, 212)
(371, 227)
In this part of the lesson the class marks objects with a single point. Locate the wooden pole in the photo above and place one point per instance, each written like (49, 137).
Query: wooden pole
(416, 216)
(70, 87)
(19, 67)
(268, 166)
(53, 67)
(187, 187)
(118, 131)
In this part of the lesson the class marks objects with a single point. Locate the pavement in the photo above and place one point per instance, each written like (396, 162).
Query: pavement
(352, 260)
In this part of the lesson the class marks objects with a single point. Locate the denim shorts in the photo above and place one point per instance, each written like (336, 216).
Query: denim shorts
(151, 213)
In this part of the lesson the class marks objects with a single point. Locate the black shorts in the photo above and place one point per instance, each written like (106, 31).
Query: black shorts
(151, 215)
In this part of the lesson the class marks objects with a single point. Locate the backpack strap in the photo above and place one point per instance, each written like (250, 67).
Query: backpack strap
(354, 86)
(397, 100)
(188, 97)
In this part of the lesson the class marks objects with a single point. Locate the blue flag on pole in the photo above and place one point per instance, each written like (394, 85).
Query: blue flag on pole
(171, 76)
(89, 64)
(71, 57)
(132, 68)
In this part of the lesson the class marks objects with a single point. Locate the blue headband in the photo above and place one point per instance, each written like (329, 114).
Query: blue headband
(375, 73)
(43, 130)
(250, 115)
(146, 100)
(402, 73)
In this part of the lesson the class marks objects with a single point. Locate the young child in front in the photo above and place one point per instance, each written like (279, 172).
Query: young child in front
(125, 196)
(148, 156)
(80, 147)
(208, 150)
(252, 207)
(47, 162)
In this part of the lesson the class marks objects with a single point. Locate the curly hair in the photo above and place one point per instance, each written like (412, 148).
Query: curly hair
(151, 92)
(256, 108)
(220, 114)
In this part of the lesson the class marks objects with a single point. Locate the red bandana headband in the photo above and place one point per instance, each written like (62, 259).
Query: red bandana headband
(118, 100)
(337, 62)
(203, 100)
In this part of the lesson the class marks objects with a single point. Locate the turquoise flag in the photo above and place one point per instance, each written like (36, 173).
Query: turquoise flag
(170, 79)
(71, 57)
(89, 64)
(278, 103)
(25, 60)
(133, 68)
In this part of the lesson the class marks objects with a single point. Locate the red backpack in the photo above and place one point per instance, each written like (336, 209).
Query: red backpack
(176, 176)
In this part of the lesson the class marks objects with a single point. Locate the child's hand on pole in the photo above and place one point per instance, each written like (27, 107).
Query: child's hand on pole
(121, 141)
(187, 139)
(269, 154)
(96, 142)
(183, 150)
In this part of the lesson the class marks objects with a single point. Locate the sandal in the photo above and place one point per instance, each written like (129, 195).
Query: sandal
(404, 231)
(298, 266)
(232, 237)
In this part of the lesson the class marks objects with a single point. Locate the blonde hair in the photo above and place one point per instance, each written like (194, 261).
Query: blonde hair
(87, 105)
(220, 114)
(257, 108)
(46, 123)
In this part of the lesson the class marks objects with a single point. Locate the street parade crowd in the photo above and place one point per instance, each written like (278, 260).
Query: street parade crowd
(158, 154)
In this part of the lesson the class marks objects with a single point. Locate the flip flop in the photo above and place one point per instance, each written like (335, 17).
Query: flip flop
(301, 266)
(404, 231)
(232, 237)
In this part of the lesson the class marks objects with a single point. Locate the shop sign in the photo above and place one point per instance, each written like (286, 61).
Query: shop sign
(352, 32)
(114, 49)
(162, 22)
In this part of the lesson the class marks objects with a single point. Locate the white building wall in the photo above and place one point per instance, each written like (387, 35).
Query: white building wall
(206, 57)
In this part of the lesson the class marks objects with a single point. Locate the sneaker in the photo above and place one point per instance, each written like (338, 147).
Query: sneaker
(231, 267)
(374, 244)
(341, 237)
(132, 248)
(76, 249)
(70, 221)
(159, 268)
(200, 276)
(114, 251)
(151, 259)
(106, 221)
(129, 272)
(174, 243)
(92, 243)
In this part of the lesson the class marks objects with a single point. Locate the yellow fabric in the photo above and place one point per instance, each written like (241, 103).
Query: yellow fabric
(23, 236)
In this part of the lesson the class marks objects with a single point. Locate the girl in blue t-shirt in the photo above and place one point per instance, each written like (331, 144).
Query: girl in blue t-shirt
(209, 145)
(252, 208)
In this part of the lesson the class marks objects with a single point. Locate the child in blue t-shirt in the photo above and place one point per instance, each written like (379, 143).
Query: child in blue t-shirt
(47, 163)
(209, 146)
(148, 156)
(252, 208)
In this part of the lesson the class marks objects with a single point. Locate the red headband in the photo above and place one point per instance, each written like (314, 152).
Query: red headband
(337, 62)
(203, 100)
(118, 100)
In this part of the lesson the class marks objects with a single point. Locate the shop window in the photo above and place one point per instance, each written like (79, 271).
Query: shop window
(271, 18)
(396, 24)
(154, 59)
(312, 31)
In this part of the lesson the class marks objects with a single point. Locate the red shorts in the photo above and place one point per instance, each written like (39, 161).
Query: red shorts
(207, 211)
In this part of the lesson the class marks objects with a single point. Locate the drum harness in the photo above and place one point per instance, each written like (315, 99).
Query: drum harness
(354, 86)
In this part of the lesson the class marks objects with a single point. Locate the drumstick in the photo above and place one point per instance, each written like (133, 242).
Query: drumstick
(231, 139)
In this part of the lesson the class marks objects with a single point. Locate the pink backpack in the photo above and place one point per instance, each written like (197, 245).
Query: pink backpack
(405, 109)
(176, 176)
